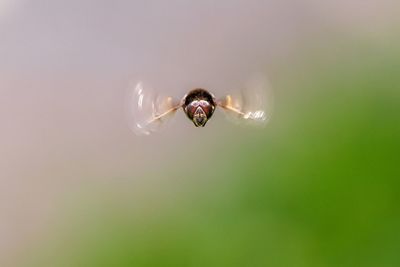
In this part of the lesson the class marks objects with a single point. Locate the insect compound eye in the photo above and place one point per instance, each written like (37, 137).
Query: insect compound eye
(203, 103)
(196, 103)
(207, 108)
(191, 109)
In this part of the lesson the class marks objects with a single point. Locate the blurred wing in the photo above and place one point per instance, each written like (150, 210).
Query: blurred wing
(252, 104)
(148, 111)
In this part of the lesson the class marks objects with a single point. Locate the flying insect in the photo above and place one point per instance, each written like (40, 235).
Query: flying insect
(148, 111)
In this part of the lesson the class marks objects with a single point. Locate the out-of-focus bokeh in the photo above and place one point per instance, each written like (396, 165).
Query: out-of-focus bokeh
(319, 186)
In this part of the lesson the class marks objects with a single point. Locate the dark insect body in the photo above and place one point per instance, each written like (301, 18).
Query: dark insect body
(148, 110)
(199, 106)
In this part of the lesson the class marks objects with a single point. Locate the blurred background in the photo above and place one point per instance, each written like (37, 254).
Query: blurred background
(319, 186)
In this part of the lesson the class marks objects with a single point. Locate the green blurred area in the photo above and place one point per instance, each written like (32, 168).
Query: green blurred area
(318, 187)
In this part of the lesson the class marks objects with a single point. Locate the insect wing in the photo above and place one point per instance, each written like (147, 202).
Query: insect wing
(147, 111)
(252, 104)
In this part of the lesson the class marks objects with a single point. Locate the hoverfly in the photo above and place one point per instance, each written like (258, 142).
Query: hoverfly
(148, 111)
